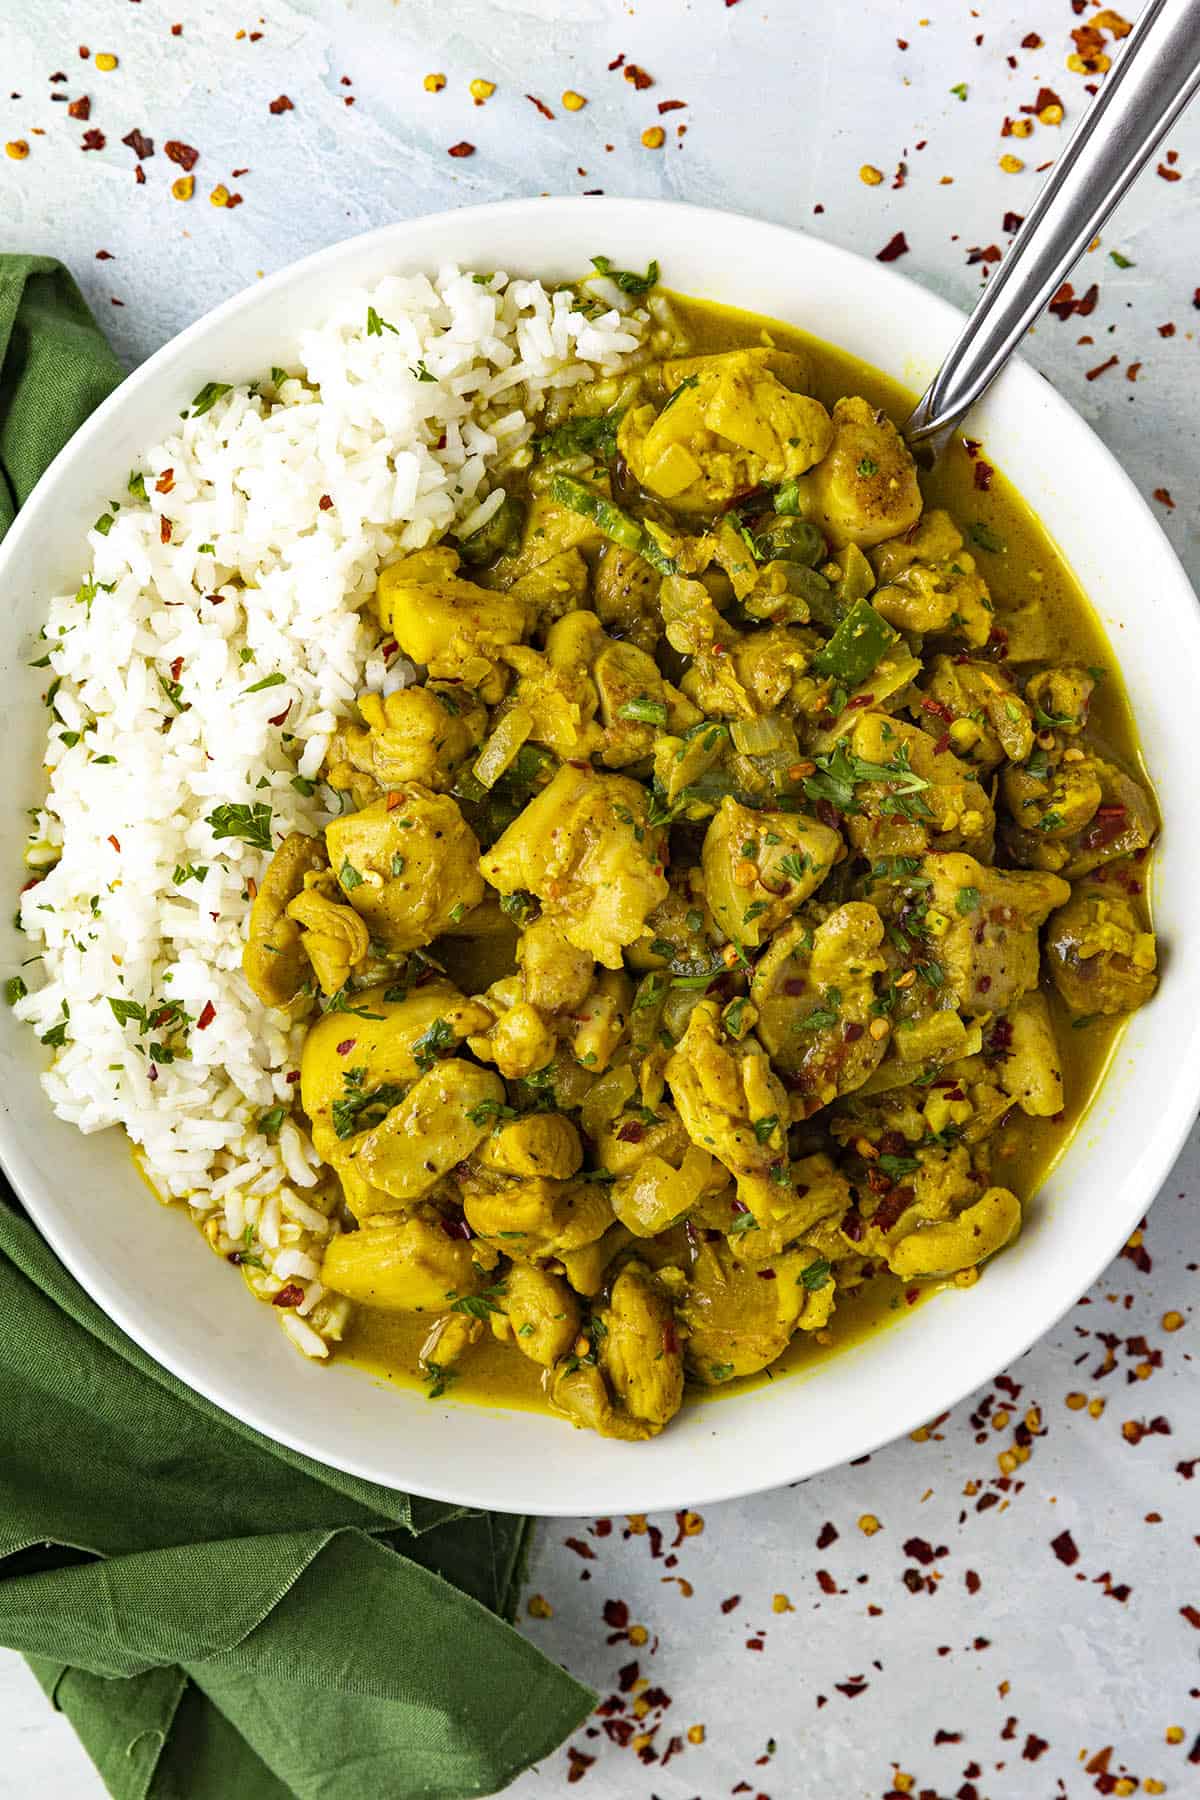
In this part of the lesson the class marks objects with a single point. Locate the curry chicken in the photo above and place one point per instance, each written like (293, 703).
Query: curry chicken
(704, 930)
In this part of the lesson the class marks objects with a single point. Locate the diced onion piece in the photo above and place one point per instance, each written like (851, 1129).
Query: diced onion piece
(500, 749)
(754, 737)
(606, 1097)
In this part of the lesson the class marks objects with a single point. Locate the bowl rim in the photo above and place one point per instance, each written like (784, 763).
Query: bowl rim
(722, 1478)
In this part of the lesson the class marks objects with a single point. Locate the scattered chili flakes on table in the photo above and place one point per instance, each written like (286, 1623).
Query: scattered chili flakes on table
(461, 149)
(541, 106)
(281, 104)
(896, 246)
(177, 152)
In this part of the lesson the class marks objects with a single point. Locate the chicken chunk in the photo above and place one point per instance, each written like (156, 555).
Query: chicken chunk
(401, 1265)
(556, 976)
(929, 799)
(422, 734)
(725, 1093)
(335, 940)
(929, 583)
(542, 1143)
(1028, 1064)
(543, 1312)
(377, 1047)
(961, 1242)
(737, 1322)
(815, 993)
(637, 1348)
(760, 866)
(729, 426)
(407, 863)
(1102, 958)
(446, 1113)
(864, 488)
(534, 1218)
(985, 718)
(274, 960)
(452, 626)
(625, 595)
(584, 847)
(984, 924)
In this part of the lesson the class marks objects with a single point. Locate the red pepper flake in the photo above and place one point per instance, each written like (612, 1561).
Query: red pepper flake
(902, 43)
(84, 53)
(1132, 372)
(325, 502)
(183, 154)
(1163, 496)
(580, 1548)
(164, 529)
(104, 256)
(346, 1046)
(280, 104)
(852, 1688)
(826, 1582)
(139, 175)
(206, 1017)
(165, 482)
(754, 1643)
(1168, 174)
(895, 247)
(827, 1535)
(1100, 368)
(291, 1295)
(638, 77)
(667, 106)
(541, 106)
(1167, 330)
(141, 145)
(727, 1606)
(177, 31)
(983, 475)
(972, 1582)
(94, 140)
(1034, 1747)
(280, 717)
(615, 1614)
(991, 254)
(633, 1133)
(947, 1737)
(579, 1764)
(81, 108)
(1031, 41)
(614, 64)
(1013, 222)
(115, 842)
(465, 149)
(58, 76)
(1064, 1547)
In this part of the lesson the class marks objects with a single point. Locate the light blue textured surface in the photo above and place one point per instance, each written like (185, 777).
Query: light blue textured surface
(784, 103)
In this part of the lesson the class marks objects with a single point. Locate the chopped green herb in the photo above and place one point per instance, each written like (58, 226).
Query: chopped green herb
(1122, 262)
(104, 524)
(269, 1124)
(816, 1276)
(15, 989)
(868, 467)
(268, 681)
(967, 900)
(646, 712)
(987, 539)
(763, 1128)
(626, 279)
(429, 1046)
(137, 485)
(743, 1221)
(959, 90)
(377, 326)
(208, 396)
(250, 823)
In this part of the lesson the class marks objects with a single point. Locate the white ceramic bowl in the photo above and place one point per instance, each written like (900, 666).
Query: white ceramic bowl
(146, 1266)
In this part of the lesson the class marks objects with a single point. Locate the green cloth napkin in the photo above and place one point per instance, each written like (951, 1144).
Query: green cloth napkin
(218, 1617)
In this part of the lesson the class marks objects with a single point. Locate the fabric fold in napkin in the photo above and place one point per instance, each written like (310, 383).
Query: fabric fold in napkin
(217, 1615)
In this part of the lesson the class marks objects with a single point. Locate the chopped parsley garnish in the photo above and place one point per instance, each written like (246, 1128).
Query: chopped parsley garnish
(377, 326)
(967, 900)
(1051, 821)
(519, 906)
(15, 989)
(763, 1128)
(137, 485)
(896, 1167)
(868, 467)
(421, 372)
(987, 539)
(478, 1306)
(817, 1275)
(433, 1040)
(588, 436)
(822, 1016)
(490, 1112)
(348, 876)
(439, 1379)
(720, 1371)
(626, 279)
(268, 681)
(104, 524)
(796, 865)
(304, 786)
(189, 872)
(358, 1108)
(743, 1221)
(270, 1122)
(250, 823)
(341, 1002)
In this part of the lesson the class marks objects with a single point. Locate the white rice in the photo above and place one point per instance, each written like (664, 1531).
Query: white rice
(211, 670)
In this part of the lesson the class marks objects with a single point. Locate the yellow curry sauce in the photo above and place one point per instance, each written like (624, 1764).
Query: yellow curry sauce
(995, 1092)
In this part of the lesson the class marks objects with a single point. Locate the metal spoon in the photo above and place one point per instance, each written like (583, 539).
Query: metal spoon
(1154, 75)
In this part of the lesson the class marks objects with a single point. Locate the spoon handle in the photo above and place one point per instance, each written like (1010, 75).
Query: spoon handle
(1155, 74)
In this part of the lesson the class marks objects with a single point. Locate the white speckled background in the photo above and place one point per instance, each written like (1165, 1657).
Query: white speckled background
(952, 1652)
